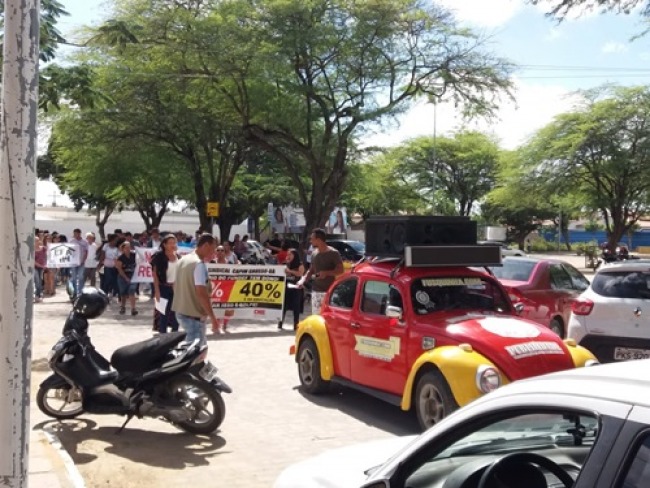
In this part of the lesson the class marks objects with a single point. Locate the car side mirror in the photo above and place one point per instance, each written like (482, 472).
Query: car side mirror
(394, 312)
(519, 308)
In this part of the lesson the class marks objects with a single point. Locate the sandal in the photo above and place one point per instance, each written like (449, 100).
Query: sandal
(122, 310)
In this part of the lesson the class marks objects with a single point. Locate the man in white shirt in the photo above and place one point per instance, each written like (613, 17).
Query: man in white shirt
(90, 273)
(77, 272)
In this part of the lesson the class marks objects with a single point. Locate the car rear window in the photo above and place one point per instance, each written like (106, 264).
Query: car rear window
(514, 269)
(622, 284)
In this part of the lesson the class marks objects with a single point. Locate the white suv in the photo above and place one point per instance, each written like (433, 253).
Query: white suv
(612, 317)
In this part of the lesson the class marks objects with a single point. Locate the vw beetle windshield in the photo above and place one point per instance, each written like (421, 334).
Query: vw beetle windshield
(438, 294)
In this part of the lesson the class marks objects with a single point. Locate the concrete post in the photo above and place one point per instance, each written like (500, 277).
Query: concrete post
(17, 196)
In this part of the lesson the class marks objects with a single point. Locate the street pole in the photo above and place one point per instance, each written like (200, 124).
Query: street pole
(433, 156)
(17, 195)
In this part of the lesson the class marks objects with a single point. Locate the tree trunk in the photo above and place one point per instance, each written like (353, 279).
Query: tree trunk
(17, 196)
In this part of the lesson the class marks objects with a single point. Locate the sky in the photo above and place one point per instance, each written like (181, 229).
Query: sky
(553, 61)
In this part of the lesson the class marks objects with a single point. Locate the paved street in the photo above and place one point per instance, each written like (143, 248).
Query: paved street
(269, 424)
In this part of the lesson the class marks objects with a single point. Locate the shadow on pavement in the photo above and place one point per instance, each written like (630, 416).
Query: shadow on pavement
(156, 449)
(366, 409)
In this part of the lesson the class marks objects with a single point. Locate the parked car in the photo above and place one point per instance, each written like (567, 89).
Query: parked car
(351, 251)
(424, 338)
(255, 253)
(546, 288)
(584, 428)
(505, 249)
(612, 317)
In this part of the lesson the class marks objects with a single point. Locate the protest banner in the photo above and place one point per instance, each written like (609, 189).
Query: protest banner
(247, 292)
(63, 255)
(143, 272)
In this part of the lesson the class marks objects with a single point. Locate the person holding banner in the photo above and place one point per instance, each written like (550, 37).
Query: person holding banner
(163, 264)
(192, 290)
(292, 295)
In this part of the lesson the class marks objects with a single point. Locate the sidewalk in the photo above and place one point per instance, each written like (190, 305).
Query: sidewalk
(50, 465)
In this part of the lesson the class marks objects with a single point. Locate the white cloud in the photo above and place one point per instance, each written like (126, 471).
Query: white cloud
(554, 33)
(614, 47)
(535, 106)
(483, 13)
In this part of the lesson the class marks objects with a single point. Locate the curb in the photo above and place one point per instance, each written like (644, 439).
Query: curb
(73, 475)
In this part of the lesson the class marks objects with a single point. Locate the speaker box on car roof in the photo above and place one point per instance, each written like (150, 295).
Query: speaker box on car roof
(388, 236)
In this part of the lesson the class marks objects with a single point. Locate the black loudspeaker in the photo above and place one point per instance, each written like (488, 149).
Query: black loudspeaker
(388, 236)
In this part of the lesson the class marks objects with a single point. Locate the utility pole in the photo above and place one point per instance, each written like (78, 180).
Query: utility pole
(17, 201)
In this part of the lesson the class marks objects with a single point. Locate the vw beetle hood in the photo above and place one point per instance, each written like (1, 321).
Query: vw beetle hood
(519, 348)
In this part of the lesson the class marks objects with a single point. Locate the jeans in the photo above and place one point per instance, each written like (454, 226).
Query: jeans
(38, 282)
(195, 328)
(77, 278)
(110, 281)
(168, 319)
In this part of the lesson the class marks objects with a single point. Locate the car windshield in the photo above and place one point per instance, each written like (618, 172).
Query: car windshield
(622, 284)
(358, 246)
(514, 269)
(442, 293)
(553, 435)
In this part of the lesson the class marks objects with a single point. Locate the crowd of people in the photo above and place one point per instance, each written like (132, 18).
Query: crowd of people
(180, 288)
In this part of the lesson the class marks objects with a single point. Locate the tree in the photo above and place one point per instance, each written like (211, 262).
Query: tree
(456, 171)
(304, 76)
(377, 187)
(96, 165)
(561, 8)
(602, 151)
(519, 201)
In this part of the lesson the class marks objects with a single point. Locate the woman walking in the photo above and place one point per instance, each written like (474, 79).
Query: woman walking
(163, 263)
(40, 263)
(292, 295)
(49, 288)
(125, 265)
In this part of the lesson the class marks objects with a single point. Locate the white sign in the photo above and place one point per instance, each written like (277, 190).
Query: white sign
(143, 272)
(63, 255)
(247, 292)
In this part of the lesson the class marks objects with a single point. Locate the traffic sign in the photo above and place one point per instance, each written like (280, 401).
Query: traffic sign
(212, 209)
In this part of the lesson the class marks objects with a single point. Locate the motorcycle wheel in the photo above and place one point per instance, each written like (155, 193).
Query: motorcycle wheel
(52, 401)
(198, 396)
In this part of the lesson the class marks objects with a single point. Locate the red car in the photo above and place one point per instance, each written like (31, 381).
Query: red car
(424, 337)
(546, 288)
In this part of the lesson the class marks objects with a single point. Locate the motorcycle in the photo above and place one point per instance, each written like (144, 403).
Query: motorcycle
(159, 377)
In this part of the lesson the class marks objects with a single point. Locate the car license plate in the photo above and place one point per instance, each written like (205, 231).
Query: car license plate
(625, 353)
(208, 371)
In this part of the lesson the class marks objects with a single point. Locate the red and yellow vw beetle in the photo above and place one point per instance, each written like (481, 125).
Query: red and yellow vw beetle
(424, 338)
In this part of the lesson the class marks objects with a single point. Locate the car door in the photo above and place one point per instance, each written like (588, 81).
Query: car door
(337, 314)
(378, 358)
(628, 464)
(579, 283)
(562, 291)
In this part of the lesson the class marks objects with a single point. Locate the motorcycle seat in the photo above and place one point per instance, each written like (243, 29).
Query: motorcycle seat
(145, 355)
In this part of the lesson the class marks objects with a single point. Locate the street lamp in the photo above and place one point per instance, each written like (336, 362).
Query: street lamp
(437, 90)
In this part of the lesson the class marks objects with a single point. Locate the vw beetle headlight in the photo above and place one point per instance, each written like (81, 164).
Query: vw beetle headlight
(487, 378)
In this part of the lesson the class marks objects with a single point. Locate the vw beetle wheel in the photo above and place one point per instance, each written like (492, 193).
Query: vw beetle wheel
(309, 368)
(433, 399)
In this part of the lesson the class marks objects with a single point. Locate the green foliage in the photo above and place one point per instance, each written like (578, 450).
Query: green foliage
(453, 174)
(542, 246)
(593, 225)
(600, 152)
